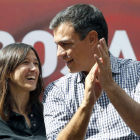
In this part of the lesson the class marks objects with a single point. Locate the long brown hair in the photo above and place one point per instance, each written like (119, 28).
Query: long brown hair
(10, 57)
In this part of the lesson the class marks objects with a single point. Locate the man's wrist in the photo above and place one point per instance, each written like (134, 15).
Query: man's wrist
(86, 106)
(110, 88)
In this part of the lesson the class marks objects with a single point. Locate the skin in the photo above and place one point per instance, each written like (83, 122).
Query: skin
(20, 86)
(69, 45)
(96, 66)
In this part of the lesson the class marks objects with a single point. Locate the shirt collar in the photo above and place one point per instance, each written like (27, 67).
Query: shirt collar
(81, 76)
(115, 67)
(35, 110)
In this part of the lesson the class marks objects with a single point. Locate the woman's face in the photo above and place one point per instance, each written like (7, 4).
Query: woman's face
(24, 78)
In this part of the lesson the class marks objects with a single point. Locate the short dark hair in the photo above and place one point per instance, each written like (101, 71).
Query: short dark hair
(84, 18)
(10, 57)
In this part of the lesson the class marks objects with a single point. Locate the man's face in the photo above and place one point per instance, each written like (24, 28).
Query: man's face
(78, 55)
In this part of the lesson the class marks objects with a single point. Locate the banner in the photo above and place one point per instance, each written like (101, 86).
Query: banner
(28, 21)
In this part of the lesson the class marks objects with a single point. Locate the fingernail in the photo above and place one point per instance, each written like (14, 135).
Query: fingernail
(104, 41)
(100, 47)
(95, 55)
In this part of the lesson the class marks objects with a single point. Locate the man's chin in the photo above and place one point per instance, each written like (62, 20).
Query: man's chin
(72, 70)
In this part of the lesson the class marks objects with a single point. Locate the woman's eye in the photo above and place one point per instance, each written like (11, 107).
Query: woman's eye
(37, 63)
(25, 62)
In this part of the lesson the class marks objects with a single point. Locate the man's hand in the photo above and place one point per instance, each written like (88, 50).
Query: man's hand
(93, 89)
(104, 68)
(99, 77)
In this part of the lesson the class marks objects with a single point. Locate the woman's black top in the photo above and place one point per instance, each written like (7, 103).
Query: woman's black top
(17, 129)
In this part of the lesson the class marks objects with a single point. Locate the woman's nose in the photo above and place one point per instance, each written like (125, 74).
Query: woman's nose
(33, 67)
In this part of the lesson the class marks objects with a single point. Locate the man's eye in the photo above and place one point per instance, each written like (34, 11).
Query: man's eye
(65, 44)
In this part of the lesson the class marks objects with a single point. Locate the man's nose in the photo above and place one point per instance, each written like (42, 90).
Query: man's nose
(60, 51)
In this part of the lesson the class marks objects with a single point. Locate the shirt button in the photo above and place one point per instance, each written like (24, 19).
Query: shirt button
(102, 109)
(32, 115)
(105, 130)
(34, 124)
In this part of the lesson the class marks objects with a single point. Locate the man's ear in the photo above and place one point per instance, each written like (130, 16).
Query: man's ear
(93, 38)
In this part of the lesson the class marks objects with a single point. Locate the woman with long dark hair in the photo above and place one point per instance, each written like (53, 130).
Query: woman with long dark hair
(21, 84)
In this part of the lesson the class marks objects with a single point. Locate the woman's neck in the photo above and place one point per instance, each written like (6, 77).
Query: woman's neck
(20, 102)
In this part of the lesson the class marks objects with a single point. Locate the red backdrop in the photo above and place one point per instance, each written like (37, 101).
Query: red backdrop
(20, 18)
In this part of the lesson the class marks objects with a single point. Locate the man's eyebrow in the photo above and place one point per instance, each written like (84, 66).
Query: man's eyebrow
(63, 41)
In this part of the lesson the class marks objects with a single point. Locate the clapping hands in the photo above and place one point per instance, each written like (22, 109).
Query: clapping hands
(100, 75)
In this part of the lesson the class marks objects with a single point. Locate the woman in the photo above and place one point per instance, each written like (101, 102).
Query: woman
(21, 84)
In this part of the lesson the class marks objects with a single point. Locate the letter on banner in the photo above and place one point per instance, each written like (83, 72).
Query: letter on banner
(6, 38)
(64, 70)
(50, 61)
(120, 42)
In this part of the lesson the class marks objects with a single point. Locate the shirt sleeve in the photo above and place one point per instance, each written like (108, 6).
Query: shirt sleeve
(56, 112)
(137, 90)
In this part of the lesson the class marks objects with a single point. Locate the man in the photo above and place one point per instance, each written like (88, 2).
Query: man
(100, 98)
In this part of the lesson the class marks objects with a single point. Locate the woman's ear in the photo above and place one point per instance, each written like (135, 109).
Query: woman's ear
(8, 76)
